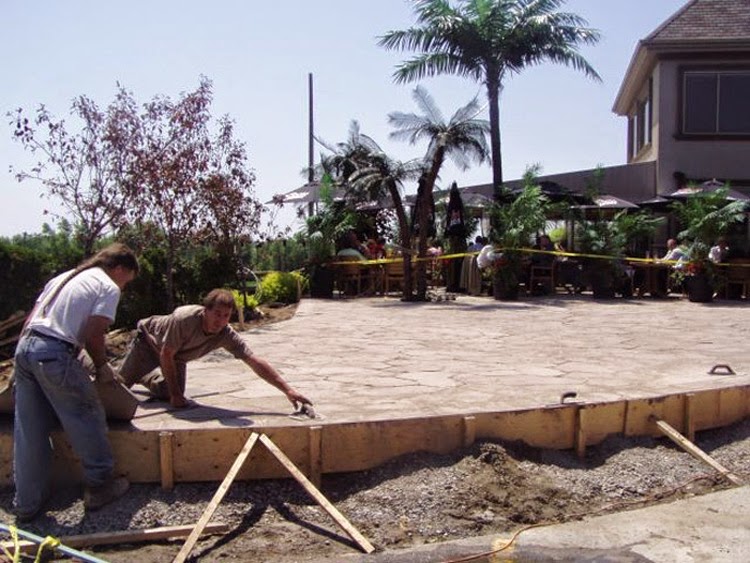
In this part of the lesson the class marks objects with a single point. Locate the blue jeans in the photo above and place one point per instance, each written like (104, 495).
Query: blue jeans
(51, 385)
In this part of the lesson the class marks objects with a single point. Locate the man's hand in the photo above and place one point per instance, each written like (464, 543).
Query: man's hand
(105, 373)
(295, 398)
(181, 402)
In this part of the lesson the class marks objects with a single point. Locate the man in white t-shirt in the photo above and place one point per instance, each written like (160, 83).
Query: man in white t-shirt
(51, 385)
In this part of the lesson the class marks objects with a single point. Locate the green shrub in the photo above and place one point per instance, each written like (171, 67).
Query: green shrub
(239, 300)
(281, 287)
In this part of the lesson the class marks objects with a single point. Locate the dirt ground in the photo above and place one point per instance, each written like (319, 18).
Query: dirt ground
(488, 488)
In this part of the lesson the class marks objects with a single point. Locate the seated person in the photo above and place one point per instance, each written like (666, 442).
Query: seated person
(674, 251)
(477, 245)
(352, 248)
(376, 248)
(719, 251)
(543, 242)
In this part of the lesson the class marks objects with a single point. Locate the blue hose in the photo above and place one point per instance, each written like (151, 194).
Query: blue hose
(59, 547)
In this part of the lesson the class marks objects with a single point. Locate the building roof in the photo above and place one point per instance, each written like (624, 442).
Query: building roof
(700, 26)
(719, 20)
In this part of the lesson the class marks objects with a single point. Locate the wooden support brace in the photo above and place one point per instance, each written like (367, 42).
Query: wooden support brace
(580, 431)
(695, 451)
(213, 505)
(316, 461)
(317, 495)
(469, 427)
(690, 416)
(121, 536)
(166, 459)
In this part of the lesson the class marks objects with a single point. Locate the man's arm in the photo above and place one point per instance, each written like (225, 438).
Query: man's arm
(169, 371)
(269, 374)
(96, 329)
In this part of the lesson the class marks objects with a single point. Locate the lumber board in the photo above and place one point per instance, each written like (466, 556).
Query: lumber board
(166, 459)
(213, 505)
(16, 318)
(696, 452)
(120, 536)
(332, 511)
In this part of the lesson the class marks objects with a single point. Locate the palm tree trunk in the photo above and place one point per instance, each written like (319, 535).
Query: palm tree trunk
(405, 233)
(493, 95)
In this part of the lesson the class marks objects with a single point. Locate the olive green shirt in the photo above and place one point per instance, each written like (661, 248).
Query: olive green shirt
(183, 331)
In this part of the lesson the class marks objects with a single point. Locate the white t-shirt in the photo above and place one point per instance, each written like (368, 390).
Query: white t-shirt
(90, 293)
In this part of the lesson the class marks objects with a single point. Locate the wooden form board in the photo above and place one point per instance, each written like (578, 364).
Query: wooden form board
(205, 454)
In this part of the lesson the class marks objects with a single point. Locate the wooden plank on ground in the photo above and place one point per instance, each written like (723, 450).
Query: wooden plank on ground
(213, 505)
(120, 537)
(317, 495)
(696, 452)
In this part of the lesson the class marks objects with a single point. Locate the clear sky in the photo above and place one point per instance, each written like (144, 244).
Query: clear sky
(259, 54)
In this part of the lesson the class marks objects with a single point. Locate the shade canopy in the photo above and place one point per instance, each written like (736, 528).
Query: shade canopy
(307, 193)
(606, 201)
(555, 192)
(706, 188)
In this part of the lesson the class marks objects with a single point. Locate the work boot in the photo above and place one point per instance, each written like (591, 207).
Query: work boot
(96, 497)
(26, 516)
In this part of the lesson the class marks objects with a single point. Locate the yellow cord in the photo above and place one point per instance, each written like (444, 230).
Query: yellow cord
(49, 542)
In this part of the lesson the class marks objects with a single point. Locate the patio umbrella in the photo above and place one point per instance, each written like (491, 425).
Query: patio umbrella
(555, 192)
(454, 224)
(455, 232)
(606, 203)
(709, 187)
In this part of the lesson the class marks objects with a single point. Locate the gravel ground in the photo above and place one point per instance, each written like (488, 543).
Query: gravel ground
(416, 499)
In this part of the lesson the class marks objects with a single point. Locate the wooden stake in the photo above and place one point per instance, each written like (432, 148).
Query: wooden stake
(690, 416)
(316, 460)
(580, 432)
(468, 431)
(213, 505)
(317, 495)
(166, 458)
(695, 451)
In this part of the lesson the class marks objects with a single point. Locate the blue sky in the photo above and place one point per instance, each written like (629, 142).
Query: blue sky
(259, 54)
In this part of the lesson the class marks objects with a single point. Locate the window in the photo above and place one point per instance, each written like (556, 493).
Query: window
(640, 124)
(716, 103)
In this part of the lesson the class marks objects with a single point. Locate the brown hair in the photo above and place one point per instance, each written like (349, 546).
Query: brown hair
(219, 298)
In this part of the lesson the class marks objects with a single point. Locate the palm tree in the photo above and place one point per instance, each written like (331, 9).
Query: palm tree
(367, 173)
(487, 40)
(463, 139)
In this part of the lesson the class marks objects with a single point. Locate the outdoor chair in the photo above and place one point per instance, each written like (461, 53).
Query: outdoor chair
(393, 276)
(350, 276)
(542, 276)
(737, 273)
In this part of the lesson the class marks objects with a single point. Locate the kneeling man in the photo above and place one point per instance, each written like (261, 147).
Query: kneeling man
(190, 332)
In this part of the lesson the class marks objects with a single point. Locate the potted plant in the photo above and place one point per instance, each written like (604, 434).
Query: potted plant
(606, 241)
(514, 225)
(705, 217)
(322, 230)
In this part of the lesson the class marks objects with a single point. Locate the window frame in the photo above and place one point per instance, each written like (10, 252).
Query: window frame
(716, 72)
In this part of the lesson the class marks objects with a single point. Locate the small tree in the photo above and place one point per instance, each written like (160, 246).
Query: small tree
(89, 169)
(193, 184)
(463, 138)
